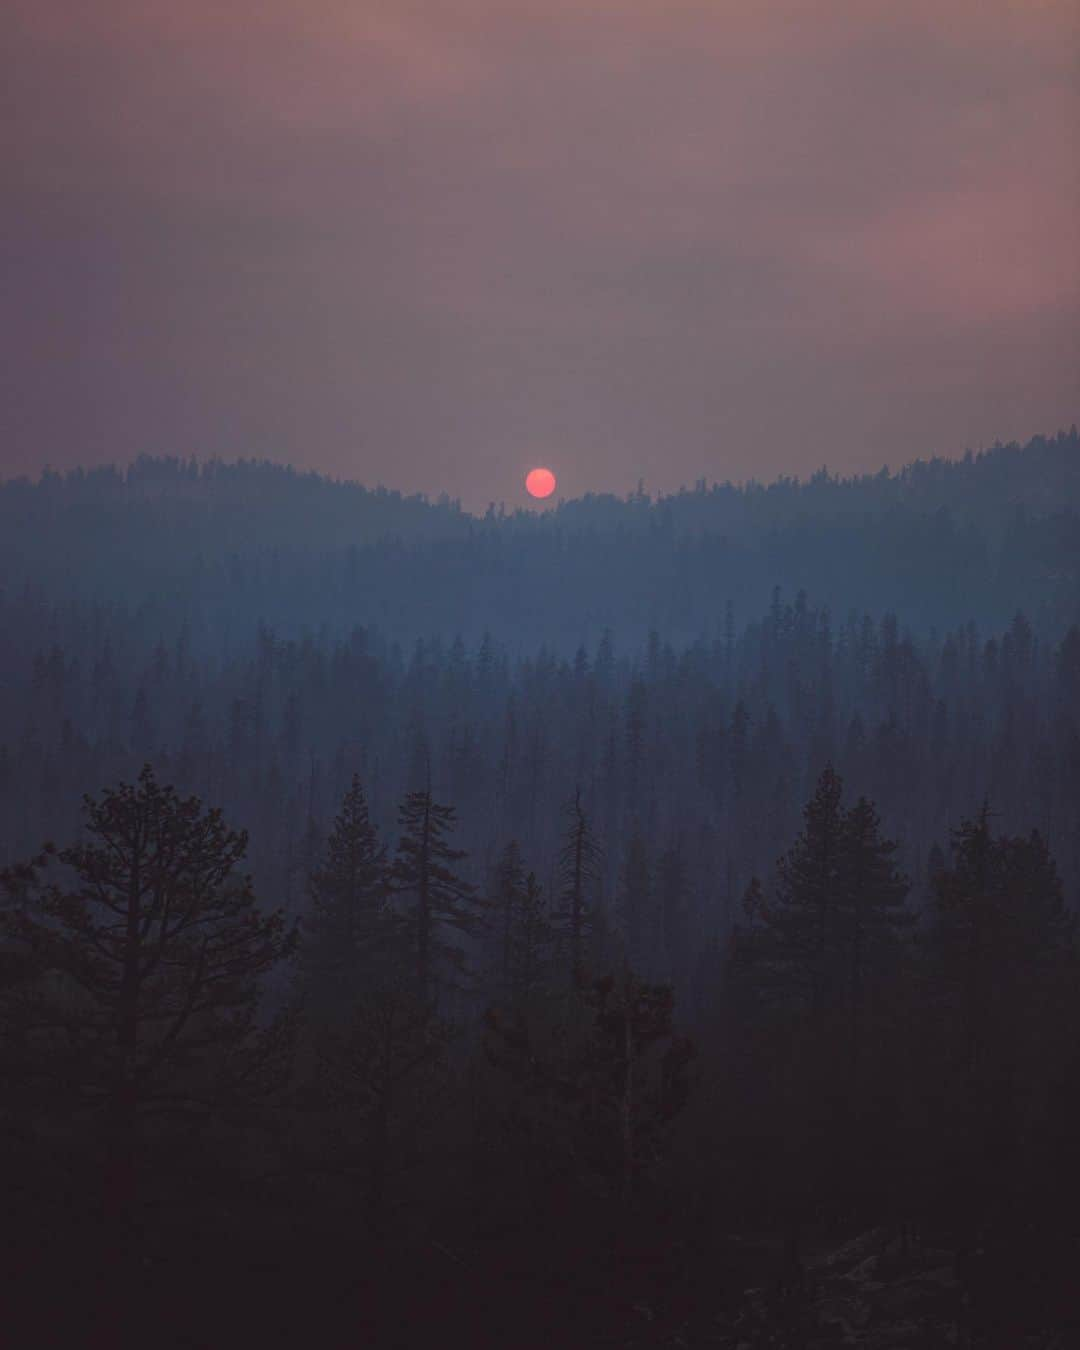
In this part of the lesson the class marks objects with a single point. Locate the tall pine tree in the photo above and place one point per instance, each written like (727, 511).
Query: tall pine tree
(437, 908)
(871, 920)
(792, 942)
(1002, 949)
(147, 950)
(346, 934)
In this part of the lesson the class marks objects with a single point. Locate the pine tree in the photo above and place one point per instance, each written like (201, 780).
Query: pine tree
(440, 908)
(630, 1100)
(148, 954)
(381, 1066)
(819, 954)
(1001, 947)
(578, 874)
(589, 1095)
(822, 942)
(1000, 929)
(793, 942)
(346, 934)
(870, 916)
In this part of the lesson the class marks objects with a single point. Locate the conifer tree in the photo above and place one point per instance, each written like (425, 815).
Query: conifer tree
(1000, 933)
(346, 934)
(836, 916)
(380, 1066)
(1002, 950)
(592, 1097)
(818, 952)
(148, 951)
(438, 908)
(870, 915)
(630, 1097)
(793, 942)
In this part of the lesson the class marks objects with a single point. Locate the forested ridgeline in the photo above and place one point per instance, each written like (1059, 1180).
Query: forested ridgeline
(168, 546)
(426, 1108)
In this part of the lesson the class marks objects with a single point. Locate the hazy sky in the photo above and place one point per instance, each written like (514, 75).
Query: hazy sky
(430, 242)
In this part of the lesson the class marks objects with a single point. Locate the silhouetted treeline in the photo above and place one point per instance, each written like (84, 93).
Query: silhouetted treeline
(486, 1088)
(167, 547)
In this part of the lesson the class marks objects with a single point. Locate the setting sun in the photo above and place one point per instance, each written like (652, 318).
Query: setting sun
(540, 482)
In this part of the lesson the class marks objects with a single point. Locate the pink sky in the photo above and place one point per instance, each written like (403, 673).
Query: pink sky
(428, 244)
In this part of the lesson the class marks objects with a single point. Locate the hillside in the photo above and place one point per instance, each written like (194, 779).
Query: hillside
(204, 547)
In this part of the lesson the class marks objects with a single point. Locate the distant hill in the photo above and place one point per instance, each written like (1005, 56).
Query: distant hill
(202, 546)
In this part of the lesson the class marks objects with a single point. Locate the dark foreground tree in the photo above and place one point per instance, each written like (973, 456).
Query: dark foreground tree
(1001, 945)
(792, 942)
(140, 993)
(816, 967)
(381, 1076)
(635, 1093)
(586, 1090)
(346, 935)
(872, 920)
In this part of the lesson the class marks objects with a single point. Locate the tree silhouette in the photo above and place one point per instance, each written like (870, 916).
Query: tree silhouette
(378, 1065)
(520, 931)
(631, 1100)
(444, 908)
(871, 917)
(347, 933)
(794, 940)
(147, 950)
(815, 956)
(1001, 946)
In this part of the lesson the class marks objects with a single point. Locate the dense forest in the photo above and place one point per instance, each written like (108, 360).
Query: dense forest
(634, 923)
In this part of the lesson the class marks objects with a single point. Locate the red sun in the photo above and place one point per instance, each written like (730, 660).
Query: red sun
(540, 482)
